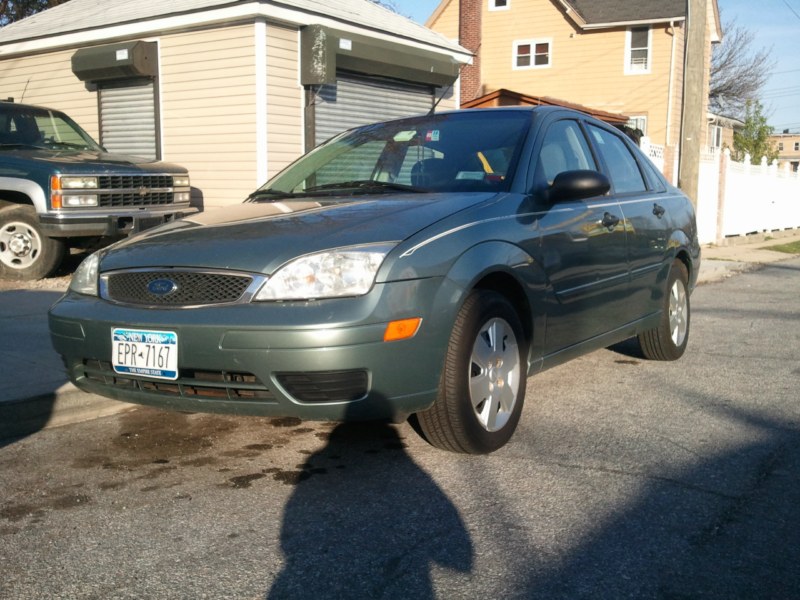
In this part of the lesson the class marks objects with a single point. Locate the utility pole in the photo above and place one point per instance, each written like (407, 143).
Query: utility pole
(694, 101)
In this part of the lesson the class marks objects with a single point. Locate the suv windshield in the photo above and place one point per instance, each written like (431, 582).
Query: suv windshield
(468, 151)
(41, 128)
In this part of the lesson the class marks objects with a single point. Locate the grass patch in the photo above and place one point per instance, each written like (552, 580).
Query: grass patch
(790, 248)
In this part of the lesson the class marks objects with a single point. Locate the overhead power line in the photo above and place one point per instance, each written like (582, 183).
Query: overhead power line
(789, 6)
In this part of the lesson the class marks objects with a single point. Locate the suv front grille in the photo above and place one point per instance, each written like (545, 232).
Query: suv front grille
(120, 191)
(176, 288)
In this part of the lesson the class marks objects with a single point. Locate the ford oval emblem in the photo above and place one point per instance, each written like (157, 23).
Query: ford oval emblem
(162, 287)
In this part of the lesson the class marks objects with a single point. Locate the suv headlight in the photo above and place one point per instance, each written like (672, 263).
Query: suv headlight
(84, 280)
(330, 274)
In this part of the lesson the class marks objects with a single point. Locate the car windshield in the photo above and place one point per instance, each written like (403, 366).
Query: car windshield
(41, 128)
(468, 151)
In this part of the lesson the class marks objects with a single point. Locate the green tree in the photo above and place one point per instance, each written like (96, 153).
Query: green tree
(15, 10)
(753, 139)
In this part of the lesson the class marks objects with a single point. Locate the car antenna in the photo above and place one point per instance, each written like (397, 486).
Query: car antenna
(22, 98)
(439, 99)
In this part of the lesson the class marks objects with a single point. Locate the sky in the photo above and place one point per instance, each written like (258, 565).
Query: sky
(775, 24)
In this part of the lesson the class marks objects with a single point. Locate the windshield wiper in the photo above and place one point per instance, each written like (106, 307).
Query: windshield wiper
(69, 145)
(21, 145)
(365, 186)
(269, 195)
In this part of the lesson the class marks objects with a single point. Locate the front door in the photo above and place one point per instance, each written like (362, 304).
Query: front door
(583, 246)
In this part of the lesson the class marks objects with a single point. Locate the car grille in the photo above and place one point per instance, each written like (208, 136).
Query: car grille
(325, 386)
(120, 191)
(189, 288)
(212, 385)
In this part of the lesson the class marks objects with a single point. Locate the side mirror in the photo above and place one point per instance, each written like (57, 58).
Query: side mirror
(577, 185)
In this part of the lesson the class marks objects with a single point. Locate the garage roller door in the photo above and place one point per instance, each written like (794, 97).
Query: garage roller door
(358, 100)
(128, 119)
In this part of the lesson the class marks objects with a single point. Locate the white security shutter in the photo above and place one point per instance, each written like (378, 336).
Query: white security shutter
(358, 100)
(128, 119)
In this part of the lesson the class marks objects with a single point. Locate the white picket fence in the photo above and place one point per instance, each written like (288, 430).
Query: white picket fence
(737, 199)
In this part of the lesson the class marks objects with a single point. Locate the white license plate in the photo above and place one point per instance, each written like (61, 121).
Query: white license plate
(146, 353)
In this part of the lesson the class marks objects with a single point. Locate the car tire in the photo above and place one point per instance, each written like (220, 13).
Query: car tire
(482, 387)
(668, 340)
(25, 252)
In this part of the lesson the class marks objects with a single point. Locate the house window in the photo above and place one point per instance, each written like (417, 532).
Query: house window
(531, 54)
(499, 4)
(796, 146)
(780, 146)
(715, 137)
(637, 55)
(638, 122)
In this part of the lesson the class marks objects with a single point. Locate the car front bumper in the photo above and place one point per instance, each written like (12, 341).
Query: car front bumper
(320, 360)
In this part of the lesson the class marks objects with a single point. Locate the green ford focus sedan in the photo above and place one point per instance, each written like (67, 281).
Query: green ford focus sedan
(421, 268)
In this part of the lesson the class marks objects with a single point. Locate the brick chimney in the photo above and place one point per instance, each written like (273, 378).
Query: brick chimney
(469, 36)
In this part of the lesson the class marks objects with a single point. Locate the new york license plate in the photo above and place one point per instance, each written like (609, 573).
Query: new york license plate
(144, 352)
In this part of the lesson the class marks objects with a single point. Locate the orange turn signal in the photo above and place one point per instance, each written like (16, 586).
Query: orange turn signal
(55, 192)
(401, 330)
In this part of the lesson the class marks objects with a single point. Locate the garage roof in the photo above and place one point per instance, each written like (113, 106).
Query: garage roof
(96, 15)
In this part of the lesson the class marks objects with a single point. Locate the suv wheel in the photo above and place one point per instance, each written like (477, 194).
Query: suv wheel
(25, 253)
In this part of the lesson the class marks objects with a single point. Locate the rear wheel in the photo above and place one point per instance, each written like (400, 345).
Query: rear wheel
(482, 388)
(25, 253)
(668, 340)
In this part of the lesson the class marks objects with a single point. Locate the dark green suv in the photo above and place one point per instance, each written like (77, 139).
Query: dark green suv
(59, 188)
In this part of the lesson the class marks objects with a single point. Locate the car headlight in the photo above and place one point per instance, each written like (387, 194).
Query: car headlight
(84, 280)
(331, 274)
(78, 183)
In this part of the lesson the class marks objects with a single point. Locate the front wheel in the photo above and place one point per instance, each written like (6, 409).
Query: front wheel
(668, 340)
(25, 253)
(482, 388)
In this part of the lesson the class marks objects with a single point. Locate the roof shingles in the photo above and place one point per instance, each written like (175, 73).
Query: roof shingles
(601, 12)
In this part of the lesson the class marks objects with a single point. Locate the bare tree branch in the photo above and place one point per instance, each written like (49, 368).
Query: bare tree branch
(738, 71)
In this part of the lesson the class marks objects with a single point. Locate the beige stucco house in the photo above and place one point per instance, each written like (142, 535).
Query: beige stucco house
(788, 145)
(611, 55)
(233, 90)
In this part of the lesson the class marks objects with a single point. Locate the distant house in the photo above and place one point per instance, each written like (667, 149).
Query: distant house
(720, 132)
(619, 57)
(232, 90)
(788, 145)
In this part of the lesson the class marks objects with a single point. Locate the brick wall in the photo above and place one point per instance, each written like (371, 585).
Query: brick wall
(469, 36)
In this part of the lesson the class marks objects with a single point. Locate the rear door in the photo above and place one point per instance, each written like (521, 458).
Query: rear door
(645, 213)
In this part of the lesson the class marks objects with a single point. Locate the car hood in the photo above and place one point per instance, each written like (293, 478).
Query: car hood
(260, 237)
(85, 161)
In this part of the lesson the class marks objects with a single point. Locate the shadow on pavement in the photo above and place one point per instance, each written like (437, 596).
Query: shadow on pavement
(31, 372)
(367, 522)
(726, 528)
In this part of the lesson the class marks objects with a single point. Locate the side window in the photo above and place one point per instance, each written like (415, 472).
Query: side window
(564, 149)
(622, 166)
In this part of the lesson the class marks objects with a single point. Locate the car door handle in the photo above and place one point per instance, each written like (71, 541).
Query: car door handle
(610, 220)
(659, 210)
